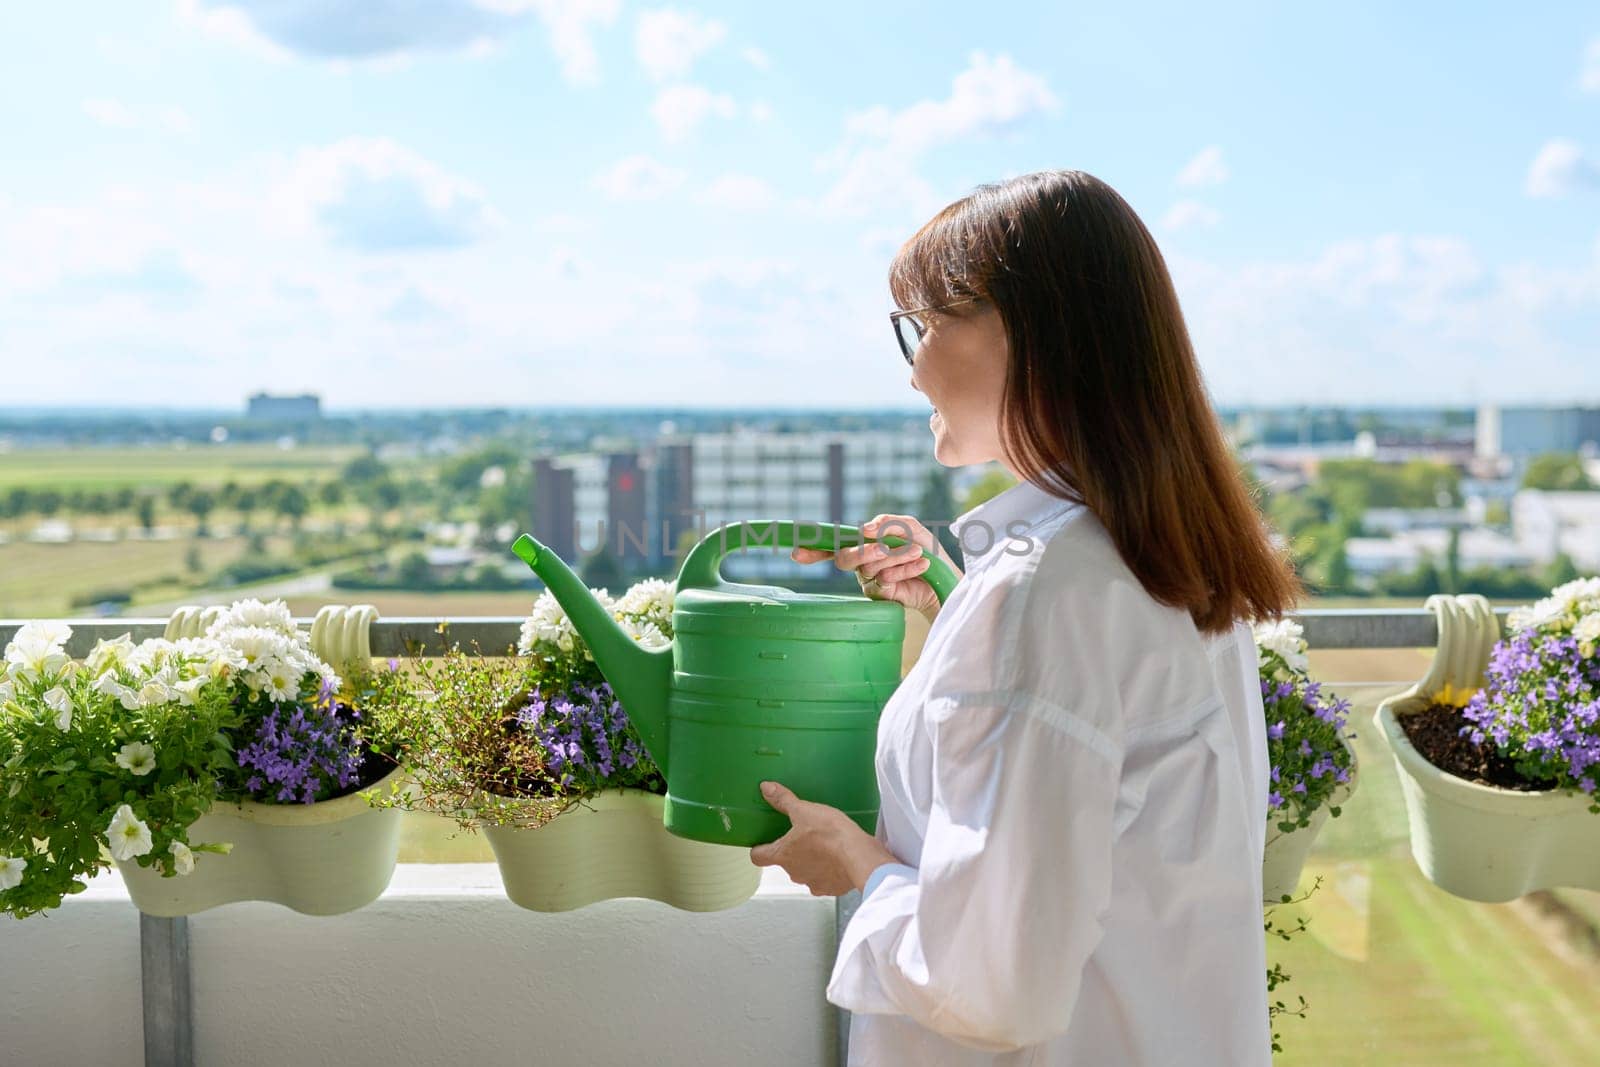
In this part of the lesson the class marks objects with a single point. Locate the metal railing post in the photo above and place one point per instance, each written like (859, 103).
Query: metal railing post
(164, 989)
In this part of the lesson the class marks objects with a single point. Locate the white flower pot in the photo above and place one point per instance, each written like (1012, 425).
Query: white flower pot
(318, 859)
(615, 845)
(1478, 841)
(1286, 852)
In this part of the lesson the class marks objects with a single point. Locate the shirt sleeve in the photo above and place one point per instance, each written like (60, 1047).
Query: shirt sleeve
(986, 940)
(883, 872)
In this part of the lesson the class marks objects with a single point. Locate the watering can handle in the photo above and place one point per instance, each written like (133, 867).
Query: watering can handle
(702, 566)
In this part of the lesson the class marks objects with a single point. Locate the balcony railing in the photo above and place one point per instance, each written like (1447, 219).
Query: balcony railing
(166, 984)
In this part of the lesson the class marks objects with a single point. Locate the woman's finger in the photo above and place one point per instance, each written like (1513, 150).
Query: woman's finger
(809, 555)
(901, 572)
(779, 797)
(767, 855)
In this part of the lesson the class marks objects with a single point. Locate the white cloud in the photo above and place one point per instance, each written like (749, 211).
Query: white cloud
(1589, 74)
(668, 42)
(877, 161)
(680, 109)
(739, 192)
(116, 114)
(374, 195)
(1561, 168)
(761, 111)
(1206, 168)
(571, 25)
(389, 31)
(1190, 213)
(638, 178)
(756, 58)
(1411, 318)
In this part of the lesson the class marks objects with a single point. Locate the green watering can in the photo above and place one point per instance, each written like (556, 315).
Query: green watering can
(759, 683)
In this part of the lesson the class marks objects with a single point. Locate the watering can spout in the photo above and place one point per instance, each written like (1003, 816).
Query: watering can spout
(640, 677)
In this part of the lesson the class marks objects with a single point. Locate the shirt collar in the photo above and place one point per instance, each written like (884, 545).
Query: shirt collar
(1004, 518)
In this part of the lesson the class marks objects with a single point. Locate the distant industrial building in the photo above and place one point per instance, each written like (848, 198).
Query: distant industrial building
(268, 407)
(1530, 431)
(642, 503)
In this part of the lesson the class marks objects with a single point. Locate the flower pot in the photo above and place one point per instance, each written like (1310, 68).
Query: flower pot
(614, 845)
(1477, 841)
(318, 859)
(1286, 852)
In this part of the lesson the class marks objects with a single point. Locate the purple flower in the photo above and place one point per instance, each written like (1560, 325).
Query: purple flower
(303, 758)
(1275, 731)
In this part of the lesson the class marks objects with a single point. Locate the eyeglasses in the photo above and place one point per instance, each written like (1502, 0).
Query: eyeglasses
(908, 328)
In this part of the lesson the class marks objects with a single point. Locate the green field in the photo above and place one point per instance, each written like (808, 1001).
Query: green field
(113, 468)
(40, 580)
(1396, 971)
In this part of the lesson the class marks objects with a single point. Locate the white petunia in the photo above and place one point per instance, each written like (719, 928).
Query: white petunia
(108, 654)
(128, 836)
(182, 858)
(11, 869)
(60, 701)
(137, 757)
(153, 694)
(32, 655)
(8, 690)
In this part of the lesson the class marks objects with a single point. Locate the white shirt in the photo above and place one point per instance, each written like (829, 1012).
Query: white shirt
(1076, 779)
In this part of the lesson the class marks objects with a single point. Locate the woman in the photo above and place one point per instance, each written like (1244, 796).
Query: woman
(1067, 868)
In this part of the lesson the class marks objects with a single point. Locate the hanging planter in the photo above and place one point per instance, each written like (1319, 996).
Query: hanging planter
(321, 858)
(614, 845)
(1477, 840)
(1312, 766)
(217, 763)
(325, 858)
(1287, 851)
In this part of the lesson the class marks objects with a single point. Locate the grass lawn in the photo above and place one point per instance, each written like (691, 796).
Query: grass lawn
(1398, 972)
(214, 465)
(40, 580)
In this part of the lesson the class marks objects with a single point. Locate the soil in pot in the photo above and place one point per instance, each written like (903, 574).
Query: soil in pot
(1435, 732)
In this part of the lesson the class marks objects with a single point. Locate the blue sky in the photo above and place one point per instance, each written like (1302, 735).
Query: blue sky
(533, 202)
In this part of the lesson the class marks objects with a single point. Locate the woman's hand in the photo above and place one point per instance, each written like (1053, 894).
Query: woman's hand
(824, 850)
(898, 571)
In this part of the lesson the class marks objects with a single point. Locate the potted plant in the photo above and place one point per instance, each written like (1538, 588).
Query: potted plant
(111, 759)
(235, 743)
(1313, 767)
(1498, 747)
(537, 752)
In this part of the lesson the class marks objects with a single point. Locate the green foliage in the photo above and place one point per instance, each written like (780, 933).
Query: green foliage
(989, 486)
(1557, 471)
(600, 569)
(1276, 975)
(452, 721)
(1354, 485)
(63, 781)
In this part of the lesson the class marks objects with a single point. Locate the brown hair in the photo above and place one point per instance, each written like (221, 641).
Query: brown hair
(1104, 403)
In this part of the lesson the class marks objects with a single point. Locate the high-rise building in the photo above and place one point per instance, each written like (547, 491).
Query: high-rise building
(643, 504)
